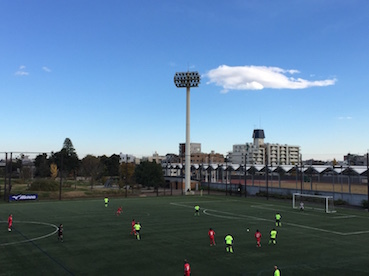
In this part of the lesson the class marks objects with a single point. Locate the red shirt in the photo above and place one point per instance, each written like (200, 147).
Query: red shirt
(133, 223)
(258, 235)
(10, 220)
(211, 234)
(187, 269)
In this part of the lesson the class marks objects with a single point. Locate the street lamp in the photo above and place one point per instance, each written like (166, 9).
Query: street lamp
(187, 80)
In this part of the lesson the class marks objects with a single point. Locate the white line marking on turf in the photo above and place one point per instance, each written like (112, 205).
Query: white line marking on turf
(181, 205)
(218, 216)
(34, 239)
(344, 217)
(208, 201)
(239, 216)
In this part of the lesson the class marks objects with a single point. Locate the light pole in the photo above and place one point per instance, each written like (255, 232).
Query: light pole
(245, 174)
(126, 176)
(302, 173)
(367, 174)
(188, 80)
(226, 159)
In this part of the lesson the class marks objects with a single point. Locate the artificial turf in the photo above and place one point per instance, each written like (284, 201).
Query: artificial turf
(97, 242)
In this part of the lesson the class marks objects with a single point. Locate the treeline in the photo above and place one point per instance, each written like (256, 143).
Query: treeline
(66, 164)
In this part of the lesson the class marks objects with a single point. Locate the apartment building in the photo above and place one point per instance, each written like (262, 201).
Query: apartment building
(260, 153)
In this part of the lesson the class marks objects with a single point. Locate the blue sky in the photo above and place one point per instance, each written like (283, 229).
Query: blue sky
(101, 73)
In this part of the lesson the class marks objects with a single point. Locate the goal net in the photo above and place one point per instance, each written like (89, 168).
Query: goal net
(318, 202)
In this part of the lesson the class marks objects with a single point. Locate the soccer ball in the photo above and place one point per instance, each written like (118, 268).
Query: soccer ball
(248, 230)
(9, 229)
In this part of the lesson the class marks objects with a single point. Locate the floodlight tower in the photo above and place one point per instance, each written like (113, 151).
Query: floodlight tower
(188, 80)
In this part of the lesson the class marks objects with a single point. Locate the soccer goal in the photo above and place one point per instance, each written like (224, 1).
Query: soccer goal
(318, 202)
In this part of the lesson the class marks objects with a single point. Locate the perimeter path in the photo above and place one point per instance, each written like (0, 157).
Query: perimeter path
(230, 215)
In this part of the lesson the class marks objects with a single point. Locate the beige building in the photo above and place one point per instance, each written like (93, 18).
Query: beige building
(198, 157)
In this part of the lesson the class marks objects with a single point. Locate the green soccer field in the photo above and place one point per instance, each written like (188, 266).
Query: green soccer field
(97, 242)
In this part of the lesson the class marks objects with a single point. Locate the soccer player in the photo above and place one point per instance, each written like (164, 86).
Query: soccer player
(187, 268)
(229, 243)
(119, 211)
(258, 238)
(106, 201)
(10, 222)
(60, 233)
(211, 235)
(137, 230)
(302, 206)
(133, 227)
(276, 271)
(197, 209)
(273, 236)
(278, 218)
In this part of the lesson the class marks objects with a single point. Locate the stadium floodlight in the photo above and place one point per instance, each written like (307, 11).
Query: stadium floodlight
(187, 80)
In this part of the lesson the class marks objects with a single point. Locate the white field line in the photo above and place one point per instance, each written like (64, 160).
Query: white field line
(208, 201)
(196, 202)
(228, 215)
(286, 209)
(344, 217)
(181, 205)
(231, 215)
(34, 239)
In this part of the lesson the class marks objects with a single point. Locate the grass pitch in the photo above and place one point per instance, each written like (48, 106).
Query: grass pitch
(97, 242)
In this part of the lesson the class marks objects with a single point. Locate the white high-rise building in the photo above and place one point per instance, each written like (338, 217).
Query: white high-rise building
(260, 153)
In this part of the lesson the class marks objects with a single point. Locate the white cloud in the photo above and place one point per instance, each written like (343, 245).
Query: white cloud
(22, 71)
(259, 77)
(46, 69)
(344, 118)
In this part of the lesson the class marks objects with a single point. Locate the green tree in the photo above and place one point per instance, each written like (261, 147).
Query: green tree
(91, 167)
(67, 159)
(42, 166)
(111, 165)
(150, 174)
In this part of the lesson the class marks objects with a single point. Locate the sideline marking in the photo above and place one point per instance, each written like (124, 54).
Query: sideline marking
(239, 216)
(198, 202)
(34, 239)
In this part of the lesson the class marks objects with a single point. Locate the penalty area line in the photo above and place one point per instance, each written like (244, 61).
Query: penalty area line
(236, 216)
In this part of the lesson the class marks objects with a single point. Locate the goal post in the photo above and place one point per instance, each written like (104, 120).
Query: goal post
(318, 202)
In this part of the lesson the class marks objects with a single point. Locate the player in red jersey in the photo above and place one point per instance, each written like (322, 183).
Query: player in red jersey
(211, 235)
(258, 238)
(187, 268)
(133, 227)
(10, 222)
(119, 211)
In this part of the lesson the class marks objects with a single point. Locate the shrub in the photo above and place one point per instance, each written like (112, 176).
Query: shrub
(44, 185)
